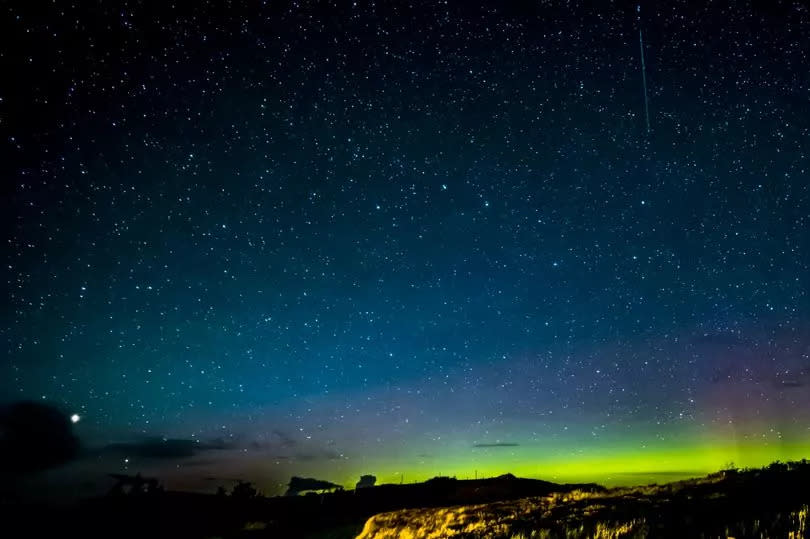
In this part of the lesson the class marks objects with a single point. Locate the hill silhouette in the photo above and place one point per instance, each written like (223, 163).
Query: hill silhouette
(157, 513)
(770, 502)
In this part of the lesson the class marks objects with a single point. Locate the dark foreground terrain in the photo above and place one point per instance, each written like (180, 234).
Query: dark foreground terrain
(339, 514)
(771, 502)
(768, 502)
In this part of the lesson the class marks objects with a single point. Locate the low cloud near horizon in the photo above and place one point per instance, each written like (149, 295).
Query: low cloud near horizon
(165, 448)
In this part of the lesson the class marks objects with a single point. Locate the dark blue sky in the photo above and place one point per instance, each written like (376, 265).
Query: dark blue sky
(365, 237)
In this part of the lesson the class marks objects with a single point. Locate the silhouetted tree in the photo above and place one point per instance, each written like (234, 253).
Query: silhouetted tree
(303, 484)
(244, 490)
(366, 481)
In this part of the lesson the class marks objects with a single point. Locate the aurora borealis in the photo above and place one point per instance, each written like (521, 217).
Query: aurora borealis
(257, 240)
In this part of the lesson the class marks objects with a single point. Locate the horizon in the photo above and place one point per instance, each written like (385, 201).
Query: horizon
(630, 479)
(612, 473)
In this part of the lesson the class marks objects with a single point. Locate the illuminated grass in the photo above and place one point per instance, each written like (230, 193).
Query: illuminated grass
(729, 503)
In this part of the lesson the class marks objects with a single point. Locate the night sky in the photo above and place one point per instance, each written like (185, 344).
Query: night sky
(262, 239)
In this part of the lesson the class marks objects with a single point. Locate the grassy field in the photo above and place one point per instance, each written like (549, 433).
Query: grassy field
(770, 502)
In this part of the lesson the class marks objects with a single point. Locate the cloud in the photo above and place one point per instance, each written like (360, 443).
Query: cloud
(278, 439)
(790, 383)
(34, 437)
(284, 446)
(790, 378)
(283, 439)
(165, 448)
(326, 454)
(281, 447)
(497, 444)
(301, 456)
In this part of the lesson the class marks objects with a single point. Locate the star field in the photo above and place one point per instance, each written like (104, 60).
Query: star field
(340, 238)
